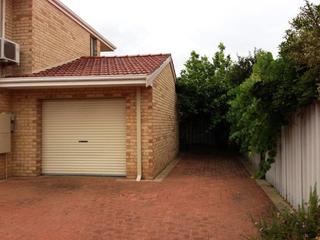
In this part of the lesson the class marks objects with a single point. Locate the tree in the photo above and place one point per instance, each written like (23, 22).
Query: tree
(203, 87)
(302, 40)
(263, 103)
(241, 69)
(204, 90)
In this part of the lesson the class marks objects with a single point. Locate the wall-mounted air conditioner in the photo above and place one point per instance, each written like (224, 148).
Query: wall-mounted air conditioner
(9, 51)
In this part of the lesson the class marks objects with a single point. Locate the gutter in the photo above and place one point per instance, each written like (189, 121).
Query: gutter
(73, 81)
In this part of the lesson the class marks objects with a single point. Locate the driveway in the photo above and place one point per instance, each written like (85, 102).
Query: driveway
(204, 197)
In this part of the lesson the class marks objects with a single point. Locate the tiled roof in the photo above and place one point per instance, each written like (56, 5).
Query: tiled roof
(106, 66)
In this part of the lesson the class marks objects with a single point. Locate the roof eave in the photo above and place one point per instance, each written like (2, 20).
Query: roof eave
(155, 74)
(72, 82)
(86, 81)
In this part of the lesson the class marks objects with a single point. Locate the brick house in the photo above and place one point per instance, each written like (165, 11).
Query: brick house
(74, 112)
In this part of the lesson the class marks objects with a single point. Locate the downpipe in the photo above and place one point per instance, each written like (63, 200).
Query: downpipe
(138, 120)
(3, 18)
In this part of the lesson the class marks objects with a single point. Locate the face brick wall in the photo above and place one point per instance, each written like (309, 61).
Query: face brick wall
(56, 37)
(47, 37)
(22, 34)
(146, 133)
(18, 28)
(9, 20)
(165, 128)
(26, 104)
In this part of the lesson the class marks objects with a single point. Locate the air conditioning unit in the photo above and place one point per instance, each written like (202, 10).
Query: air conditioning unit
(9, 51)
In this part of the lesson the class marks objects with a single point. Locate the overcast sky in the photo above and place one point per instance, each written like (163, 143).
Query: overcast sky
(180, 26)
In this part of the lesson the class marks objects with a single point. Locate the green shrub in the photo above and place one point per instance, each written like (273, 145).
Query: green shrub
(302, 224)
(277, 87)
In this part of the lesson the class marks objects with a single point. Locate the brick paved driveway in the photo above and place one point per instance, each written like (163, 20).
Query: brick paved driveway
(204, 197)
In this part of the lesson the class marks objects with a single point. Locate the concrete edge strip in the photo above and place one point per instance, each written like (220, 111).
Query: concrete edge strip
(166, 171)
(159, 178)
(278, 201)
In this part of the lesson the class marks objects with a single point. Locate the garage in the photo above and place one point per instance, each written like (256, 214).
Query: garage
(100, 116)
(84, 137)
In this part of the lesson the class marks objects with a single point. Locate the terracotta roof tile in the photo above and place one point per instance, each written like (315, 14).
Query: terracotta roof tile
(104, 66)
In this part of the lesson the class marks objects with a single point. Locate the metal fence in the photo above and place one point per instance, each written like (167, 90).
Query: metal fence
(297, 166)
(196, 133)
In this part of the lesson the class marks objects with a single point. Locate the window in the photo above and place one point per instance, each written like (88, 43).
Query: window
(93, 47)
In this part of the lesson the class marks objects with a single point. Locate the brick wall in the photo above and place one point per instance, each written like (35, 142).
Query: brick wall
(47, 36)
(18, 28)
(22, 33)
(26, 104)
(146, 133)
(56, 37)
(9, 20)
(164, 119)
(8, 34)
(4, 107)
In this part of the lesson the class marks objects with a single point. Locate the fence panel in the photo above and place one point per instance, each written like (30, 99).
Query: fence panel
(297, 166)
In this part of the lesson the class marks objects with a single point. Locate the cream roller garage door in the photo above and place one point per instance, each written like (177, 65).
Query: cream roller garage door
(84, 137)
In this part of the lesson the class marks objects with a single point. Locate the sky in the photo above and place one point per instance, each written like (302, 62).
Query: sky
(180, 26)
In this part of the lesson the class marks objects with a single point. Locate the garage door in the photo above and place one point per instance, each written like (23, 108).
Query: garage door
(84, 137)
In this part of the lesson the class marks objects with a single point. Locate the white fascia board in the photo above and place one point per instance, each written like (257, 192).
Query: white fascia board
(36, 85)
(83, 81)
(74, 78)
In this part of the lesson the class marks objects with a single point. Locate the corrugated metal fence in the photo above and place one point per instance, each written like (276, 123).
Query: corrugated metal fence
(297, 166)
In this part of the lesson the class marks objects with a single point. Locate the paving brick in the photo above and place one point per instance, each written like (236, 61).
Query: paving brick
(204, 197)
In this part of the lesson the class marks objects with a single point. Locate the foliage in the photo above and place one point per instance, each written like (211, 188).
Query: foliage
(302, 224)
(302, 40)
(254, 97)
(262, 104)
(202, 88)
(241, 70)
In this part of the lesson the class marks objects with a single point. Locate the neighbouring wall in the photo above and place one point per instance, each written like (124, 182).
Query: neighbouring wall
(165, 123)
(297, 167)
